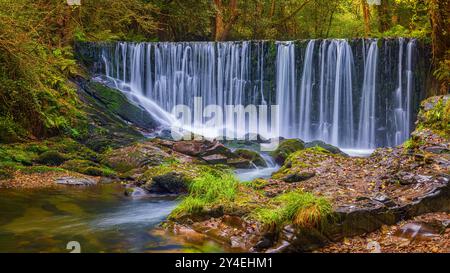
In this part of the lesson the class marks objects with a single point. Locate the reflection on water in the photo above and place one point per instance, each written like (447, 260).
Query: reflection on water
(100, 218)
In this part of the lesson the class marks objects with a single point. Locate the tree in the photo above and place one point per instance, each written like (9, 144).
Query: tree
(366, 16)
(439, 11)
(226, 17)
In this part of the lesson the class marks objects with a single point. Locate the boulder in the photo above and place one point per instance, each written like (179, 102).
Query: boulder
(201, 148)
(51, 158)
(298, 177)
(116, 102)
(215, 159)
(252, 156)
(286, 148)
(239, 163)
(140, 155)
(330, 148)
(169, 183)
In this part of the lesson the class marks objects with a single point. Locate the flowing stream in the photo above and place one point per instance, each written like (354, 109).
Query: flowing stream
(99, 218)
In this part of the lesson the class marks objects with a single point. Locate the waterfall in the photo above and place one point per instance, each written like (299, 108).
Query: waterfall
(286, 91)
(306, 93)
(367, 117)
(344, 92)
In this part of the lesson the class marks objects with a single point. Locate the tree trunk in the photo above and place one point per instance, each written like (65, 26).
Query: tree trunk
(366, 15)
(222, 29)
(384, 15)
(439, 11)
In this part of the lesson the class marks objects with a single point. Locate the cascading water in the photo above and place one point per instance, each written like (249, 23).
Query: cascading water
(347, 93)
(367, 117)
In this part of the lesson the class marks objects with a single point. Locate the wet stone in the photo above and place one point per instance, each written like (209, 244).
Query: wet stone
(417, 231)
(73, 181)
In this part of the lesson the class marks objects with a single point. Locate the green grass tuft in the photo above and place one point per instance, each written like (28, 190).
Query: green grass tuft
(302, 209)
(207, 190)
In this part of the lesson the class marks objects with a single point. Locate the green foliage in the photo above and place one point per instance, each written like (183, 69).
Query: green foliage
(35, 94)
(207, 190)
(438, 117)
(302, 209)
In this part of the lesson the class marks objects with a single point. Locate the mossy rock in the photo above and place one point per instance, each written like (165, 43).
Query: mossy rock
(174, 178)
(118, 103)
(253, 156)
(435, 115)
(97, 171)
(169, 183)
(330, 148)
(286, 148)
(139, 155)
(102, 123)
(52, 158)
(299, 165)
(78, 165)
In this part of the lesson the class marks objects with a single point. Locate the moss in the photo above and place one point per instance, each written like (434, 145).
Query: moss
(89, 168)
(78, 165)
(40, 169)
(187, 171)
(52, 158)
(257, 184)
(286, 148)
(299, 208)
(97, 171)
(435, 115)
(302, 160)
(253, 156)
(116, 102)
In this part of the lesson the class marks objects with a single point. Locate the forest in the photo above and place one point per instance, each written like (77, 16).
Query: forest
(87, 89)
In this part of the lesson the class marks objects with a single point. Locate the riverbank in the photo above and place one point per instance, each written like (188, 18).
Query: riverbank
(317, 201)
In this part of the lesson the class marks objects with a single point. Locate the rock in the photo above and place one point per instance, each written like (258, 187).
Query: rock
(215, 159)
(330, 148)
(74, 181)
(417, 231)
(135, 192)
(405, 178)
(298, 177)
(170, 183)
(252, 156)
(239, 163)
(51, 158)
(384, 199)
(236, 242)
(264, 243)
(139, 155)
(286, 148)
(108, 180)
(437, 150)
(116, 102)
(233, 221)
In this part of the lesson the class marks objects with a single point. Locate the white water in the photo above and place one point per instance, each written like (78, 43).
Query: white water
(323, 97)
(367, 117)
